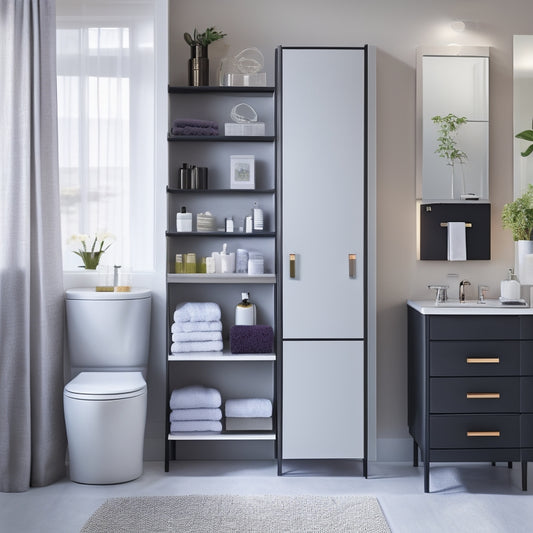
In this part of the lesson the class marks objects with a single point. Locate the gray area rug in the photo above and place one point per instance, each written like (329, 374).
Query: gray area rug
(224, 513)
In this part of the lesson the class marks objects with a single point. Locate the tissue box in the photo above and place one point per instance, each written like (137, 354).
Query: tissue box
(248, 129)
(251, 339)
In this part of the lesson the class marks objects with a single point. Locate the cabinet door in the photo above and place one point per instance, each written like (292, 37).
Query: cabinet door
(323, 191)
(323, 400)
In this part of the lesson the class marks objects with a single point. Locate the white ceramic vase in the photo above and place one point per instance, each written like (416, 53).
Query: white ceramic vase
(524, 262)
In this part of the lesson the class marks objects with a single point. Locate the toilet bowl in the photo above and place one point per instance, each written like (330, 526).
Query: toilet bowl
(105, 402)
(105, 415)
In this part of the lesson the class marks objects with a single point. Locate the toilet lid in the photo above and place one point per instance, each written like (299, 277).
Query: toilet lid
(105, 385)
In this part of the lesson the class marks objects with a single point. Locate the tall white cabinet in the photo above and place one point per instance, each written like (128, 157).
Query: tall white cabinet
(324, 261)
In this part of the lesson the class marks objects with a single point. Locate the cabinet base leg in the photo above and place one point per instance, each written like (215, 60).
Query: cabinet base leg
(426, 476)
(524, 475)
(415, 453)
(365, 468)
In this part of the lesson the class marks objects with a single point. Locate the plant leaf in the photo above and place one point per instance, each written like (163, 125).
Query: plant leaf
(527, 151)
(526, 135)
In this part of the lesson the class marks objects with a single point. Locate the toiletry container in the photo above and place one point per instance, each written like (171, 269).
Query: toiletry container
(510, 287)
(183, 220)
(245, 312)
(108, 335)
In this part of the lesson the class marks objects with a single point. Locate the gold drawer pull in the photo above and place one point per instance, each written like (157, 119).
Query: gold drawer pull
(482, 395)
(351, 265)
(482, 433)
(471, 360)
(292, 265)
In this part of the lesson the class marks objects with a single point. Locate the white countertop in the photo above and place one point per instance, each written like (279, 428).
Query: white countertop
(471, 307)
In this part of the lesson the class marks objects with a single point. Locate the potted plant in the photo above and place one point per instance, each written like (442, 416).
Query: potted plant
(447, 143)
(199, 61)
(518, 217)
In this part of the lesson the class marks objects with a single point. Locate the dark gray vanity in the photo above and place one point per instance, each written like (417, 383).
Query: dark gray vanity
(470, 383)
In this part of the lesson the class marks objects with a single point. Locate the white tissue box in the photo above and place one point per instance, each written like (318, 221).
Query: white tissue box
(254, 128)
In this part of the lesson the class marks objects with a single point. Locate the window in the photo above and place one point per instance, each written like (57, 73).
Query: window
(105, 87)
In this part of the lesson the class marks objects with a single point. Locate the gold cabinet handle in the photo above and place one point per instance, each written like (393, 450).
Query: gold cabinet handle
(482, 433)
(482, 395)
(474, 360)
(292, 265)
(352, 258)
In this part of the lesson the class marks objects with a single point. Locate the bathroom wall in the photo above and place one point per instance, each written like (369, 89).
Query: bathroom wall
(396, 28)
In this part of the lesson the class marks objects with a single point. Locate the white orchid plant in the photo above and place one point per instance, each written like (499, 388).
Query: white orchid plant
(91, 247)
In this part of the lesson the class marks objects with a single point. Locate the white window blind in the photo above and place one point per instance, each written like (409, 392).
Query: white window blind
(106, 102)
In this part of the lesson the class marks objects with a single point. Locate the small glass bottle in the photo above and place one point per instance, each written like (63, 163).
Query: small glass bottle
(190, 263)
(179, 264)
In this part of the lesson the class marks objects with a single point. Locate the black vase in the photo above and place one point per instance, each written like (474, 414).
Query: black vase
(198, 66)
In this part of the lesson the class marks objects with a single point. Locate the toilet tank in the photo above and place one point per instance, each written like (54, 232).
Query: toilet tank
(108, 331)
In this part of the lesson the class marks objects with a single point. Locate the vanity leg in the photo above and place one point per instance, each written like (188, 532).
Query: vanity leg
(426, 476)
(415, 453)
(365, 468)
(524, 475)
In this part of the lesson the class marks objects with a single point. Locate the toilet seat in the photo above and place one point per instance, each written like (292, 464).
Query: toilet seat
(105, 386)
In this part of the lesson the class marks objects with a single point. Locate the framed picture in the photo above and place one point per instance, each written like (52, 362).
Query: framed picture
(242, 171)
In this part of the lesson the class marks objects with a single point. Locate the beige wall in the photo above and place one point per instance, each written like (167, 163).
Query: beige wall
(396, 28)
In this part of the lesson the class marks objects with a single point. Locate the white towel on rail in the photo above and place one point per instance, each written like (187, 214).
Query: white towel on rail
(456, 241)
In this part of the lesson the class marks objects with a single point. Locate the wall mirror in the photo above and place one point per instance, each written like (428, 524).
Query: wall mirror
(453, 80)
(522, 109)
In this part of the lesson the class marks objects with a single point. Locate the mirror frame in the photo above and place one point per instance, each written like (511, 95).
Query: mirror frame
(452, 51)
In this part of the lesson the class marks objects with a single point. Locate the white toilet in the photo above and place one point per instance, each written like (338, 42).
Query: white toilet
(108, 335)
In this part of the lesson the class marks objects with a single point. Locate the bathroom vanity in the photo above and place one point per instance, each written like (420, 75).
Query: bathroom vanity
(470, 383)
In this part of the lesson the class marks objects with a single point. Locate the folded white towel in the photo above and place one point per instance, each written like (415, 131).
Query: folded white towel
(193, 336)
(456, 241)
(199, 346)
(195, 396)
(195, 425)
(196, 414)
(197, 312)
(213, 325)
(248, 408)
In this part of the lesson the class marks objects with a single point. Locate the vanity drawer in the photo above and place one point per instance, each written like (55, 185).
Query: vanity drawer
(473, 327)
(474, 431)
(474, 358)
(475, 395)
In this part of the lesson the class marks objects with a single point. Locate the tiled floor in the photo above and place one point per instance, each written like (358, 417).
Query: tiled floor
(464, 498)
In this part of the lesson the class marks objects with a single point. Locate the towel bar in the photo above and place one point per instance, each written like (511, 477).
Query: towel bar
(445, 224)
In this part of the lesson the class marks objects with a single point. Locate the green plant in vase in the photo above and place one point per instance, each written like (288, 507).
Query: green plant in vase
(91, 249)
(518, 216)
(199, 61)
(447, 143)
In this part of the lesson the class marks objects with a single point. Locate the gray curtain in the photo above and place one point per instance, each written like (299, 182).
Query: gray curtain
(32, 433)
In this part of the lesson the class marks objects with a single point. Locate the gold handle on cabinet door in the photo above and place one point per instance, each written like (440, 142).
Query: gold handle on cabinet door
(482, 433)
(482, 395)
(352, 258)
(475, 360)
(292, 265)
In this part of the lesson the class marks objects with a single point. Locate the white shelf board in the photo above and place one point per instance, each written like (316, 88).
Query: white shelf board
(225, 355)
(221, 278)
(206, 435)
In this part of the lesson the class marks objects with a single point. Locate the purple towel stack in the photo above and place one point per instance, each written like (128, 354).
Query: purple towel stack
(251, 339)
(194, 126)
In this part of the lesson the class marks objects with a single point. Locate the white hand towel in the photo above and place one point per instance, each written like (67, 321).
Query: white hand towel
(195, 396)
(197, 312)
(198, 346)
(456, 241)
(192, 336)
(202, 413)
(213, 325)
(195, 425)
(248, 408)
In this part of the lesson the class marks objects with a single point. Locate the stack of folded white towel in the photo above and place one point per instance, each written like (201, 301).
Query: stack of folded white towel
(195, 408)
(248, 414)
(197, 327)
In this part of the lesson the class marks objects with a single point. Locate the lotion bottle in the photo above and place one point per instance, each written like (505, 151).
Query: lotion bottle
(183, 220)
(245, 313)
(510, 287)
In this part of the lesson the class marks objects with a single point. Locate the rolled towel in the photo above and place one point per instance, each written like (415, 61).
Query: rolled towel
(248, 408)
(193, 336)
(194, 122)
(195, 425)
(213, 325)
(195, 396)
(197, 312)
(191, 130)
(251, 339)
(196, 414)
(198, 346)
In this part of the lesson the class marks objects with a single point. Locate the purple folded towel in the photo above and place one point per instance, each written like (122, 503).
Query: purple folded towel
(194, 122)
(251, 339)
(192, 130)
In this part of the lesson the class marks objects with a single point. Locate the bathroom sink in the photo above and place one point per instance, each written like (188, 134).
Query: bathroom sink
(470, 307)
(476, 303)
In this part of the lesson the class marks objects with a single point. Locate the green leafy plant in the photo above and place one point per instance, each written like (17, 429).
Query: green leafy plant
(518, 216)
(210, 35)
(526, 135)
(447, 148)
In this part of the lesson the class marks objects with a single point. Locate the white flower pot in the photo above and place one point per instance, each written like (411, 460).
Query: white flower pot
(524, 262)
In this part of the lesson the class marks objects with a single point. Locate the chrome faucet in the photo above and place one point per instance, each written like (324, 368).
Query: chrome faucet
(462, 285)
(115, 275)
(481, 291)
